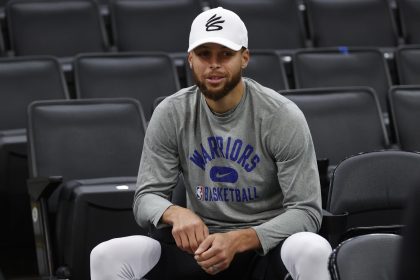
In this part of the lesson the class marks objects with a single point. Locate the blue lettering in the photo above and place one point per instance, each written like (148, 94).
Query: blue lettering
(225, 194)
(206, 156)
(245, 155)
(220, 145)
(227, 147)
(244, 196)
(213, 147)
(236, 149)
(255, 160)
(198, 159)
(238, 195)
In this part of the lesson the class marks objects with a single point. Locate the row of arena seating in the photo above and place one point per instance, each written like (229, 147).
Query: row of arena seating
(64, 28)
(75, 146)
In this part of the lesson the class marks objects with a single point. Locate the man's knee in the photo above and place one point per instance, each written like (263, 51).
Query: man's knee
(304, 252)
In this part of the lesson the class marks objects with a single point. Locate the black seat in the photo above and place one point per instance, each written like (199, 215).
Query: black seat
(343, 122)
(408, 65)
(143, 76)
(366, 23)
(337, 67)
(369, 191)
(162, 25)
(366, 257)
(22, 80)
(84, 157)
(405, 111)
(410, 20)
(62, 28)
(271, 24)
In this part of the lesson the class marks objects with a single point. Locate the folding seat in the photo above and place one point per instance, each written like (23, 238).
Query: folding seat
(370, 256)
(143, 76)
(408, 65)
(62, 28)
(271, 24)
(337, 67)
(410, 20)
(162, 25)
(22, 80)
(368, 192)
(343, 122)
(84, 158)
(351, 23)
(265, 66)
(405, 112)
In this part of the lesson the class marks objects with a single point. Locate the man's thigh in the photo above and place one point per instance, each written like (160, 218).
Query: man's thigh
(177, 264)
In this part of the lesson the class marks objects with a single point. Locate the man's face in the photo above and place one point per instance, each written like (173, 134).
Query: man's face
(217, 70)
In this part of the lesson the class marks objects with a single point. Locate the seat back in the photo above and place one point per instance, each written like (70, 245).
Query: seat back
(351, 23)
(92, 144)
(372, 188)
(408, 65)
(271, 24)
(162, 25)
(410, 20)
(335, 67)
(82, 139)
(371, 256)
(61, 28)
(143, 76)
(22, 80)
(342, 121)
(405, 111)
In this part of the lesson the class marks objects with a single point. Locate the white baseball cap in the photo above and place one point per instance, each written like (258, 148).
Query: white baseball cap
(219, 26)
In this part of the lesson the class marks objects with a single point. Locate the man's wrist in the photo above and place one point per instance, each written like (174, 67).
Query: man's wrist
(245, 239)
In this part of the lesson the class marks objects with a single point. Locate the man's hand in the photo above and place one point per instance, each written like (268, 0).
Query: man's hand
(188, 229)
(216, 252)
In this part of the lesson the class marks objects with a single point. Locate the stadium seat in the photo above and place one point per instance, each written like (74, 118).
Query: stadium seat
(162, 25)
(337, 67)
(366, 257)
(410, 20)
(271, 24)
(22, 80)
(265, 66)
(343, 122)
(405, 112)
(364, 23)
(143, 76)
(61, 28)
(369, 191)
(84, 158)
(408, 65)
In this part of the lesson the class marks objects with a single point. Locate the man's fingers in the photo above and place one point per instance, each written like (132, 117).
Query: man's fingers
(204, 246)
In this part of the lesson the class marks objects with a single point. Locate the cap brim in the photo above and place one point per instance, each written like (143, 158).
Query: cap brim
(217, 40)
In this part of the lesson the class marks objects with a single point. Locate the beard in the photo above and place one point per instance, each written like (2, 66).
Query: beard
(216, 95)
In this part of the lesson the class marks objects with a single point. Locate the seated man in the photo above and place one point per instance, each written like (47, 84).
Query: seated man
(250, 172)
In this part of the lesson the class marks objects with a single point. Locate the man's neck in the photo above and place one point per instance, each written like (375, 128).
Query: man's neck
(228, 102)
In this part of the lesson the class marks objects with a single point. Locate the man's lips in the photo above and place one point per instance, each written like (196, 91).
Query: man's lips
(214, 79)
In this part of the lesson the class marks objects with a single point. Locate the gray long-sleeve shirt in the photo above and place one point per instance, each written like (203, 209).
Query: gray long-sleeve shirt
(254, 166)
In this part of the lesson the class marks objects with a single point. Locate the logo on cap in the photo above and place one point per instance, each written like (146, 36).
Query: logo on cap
(212, 23)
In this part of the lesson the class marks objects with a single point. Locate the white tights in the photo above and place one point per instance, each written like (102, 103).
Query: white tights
(304, 254)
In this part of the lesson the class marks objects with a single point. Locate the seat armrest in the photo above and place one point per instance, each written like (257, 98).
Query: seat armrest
(333, 227)
(43, 187)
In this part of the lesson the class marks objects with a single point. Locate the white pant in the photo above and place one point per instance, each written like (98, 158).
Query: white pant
(304, 254)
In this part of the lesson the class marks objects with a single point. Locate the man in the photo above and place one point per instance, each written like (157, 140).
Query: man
(250, 174)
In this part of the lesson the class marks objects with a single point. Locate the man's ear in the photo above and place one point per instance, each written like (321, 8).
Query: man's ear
(190, 59)
(245, 58)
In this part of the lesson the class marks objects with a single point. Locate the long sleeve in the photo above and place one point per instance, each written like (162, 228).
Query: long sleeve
(291, 144)
(159, 168)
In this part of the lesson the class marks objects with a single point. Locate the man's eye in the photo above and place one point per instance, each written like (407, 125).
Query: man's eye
(228, 53)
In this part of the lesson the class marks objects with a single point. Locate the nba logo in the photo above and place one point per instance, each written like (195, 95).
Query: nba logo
(199, 192)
